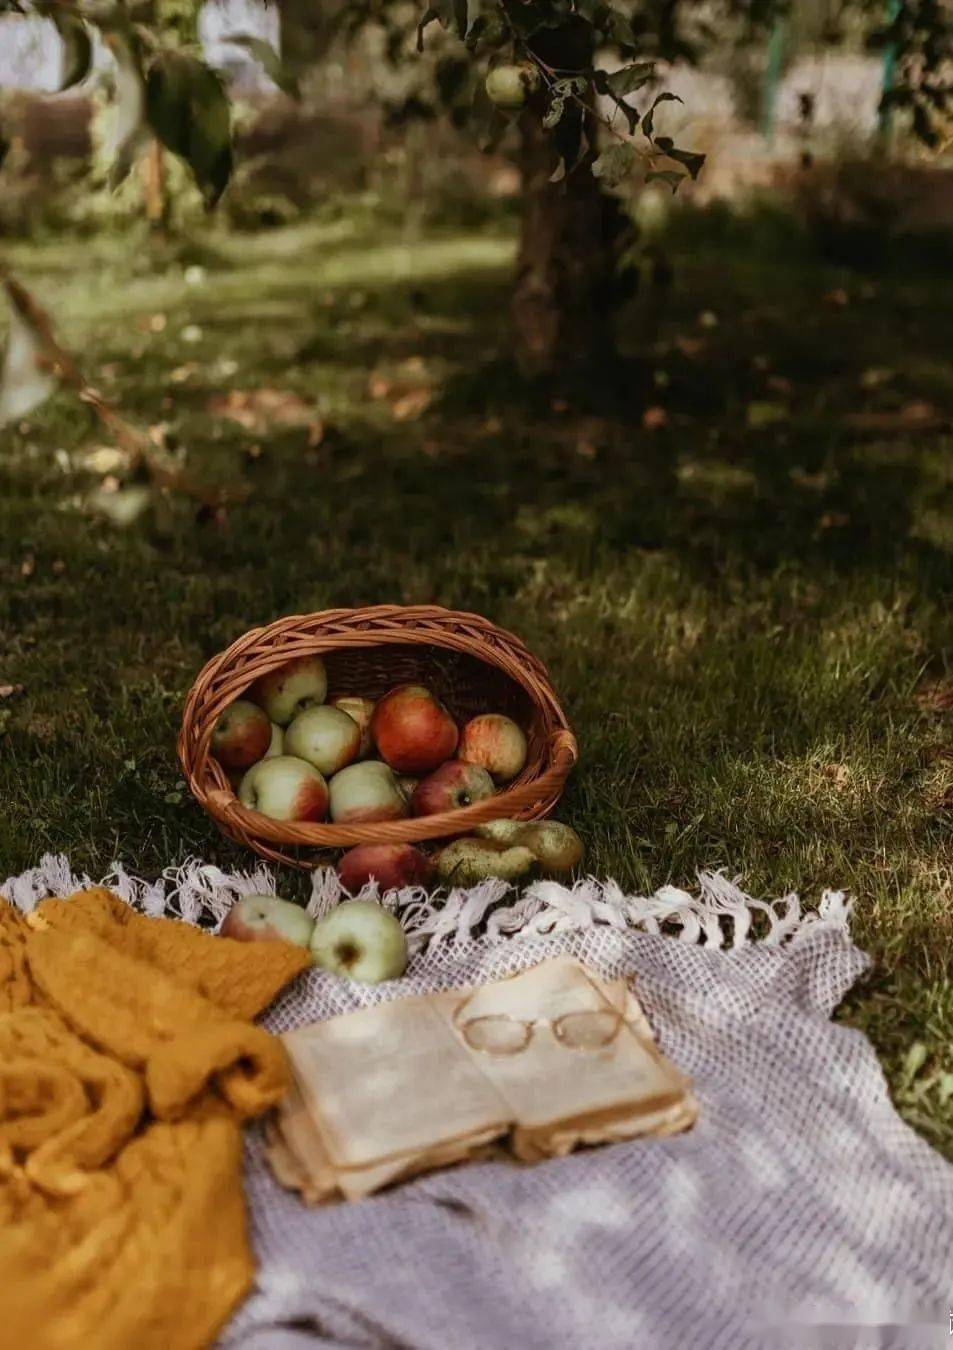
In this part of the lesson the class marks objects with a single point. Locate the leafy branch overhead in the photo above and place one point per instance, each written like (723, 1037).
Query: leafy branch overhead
(503, 64)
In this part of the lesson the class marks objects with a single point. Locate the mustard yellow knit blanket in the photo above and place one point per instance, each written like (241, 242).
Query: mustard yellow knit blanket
(127, 1063)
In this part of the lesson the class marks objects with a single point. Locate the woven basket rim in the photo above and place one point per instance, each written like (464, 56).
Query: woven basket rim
(266, 647)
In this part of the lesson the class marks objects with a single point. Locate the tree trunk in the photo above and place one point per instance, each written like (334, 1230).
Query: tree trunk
(571, 232)
(154, 187)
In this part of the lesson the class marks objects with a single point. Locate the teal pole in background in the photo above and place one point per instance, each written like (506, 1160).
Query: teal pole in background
(885, 115)
(773, 70)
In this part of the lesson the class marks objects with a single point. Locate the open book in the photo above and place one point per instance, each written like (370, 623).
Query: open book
(544, 1061)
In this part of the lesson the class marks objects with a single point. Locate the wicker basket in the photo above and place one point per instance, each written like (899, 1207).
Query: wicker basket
(467, 661)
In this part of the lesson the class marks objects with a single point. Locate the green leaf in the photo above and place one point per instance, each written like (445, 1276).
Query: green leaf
(669, 176)
(615, 164)
(440, 12)
(269, 60)
(77, 43)
(25, 380)
(689, 158)
(188, 111)
(648, 119)
(630, 78)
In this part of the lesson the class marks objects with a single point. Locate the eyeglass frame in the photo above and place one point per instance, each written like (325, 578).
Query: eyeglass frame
(529, 1025)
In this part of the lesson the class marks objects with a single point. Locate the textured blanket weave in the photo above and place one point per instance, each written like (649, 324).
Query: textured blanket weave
(799, 1211)
(799, 1200)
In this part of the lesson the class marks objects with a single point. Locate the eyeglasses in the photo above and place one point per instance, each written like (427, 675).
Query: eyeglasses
(500, 1034)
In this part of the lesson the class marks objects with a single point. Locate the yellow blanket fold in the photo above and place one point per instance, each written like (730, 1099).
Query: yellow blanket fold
(127, 1062)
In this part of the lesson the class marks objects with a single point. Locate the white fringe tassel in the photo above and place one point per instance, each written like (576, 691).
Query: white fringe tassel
(720, 915)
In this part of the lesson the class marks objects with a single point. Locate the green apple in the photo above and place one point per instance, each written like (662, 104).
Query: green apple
(326, 737)
(361, 941)
(296, 685)
(266, 918)
(277, 745)
(508, 86)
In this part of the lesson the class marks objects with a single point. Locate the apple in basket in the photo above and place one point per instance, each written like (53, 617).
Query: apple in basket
(366, 792)
(450, 787)
(266, 918)
(392, 866)
(412, 729)
(495, 742)
(287, 691)
(361, 941)
(241, 735)
(326, 737)
(362, 710)
(285, 788)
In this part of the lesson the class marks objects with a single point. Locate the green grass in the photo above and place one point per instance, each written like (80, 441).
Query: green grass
(738, 617)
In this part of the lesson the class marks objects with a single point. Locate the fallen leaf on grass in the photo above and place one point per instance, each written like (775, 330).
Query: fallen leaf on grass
(104, 459)
(28, 566)
(836, 298)
(690, 346)
(935, 696)
(915, 416)
(410, 405)
(817, 482)
(409, 389)
(833, 520)
(764, 414)
(257, 409)
(839, 774)
(654, 418)
(875, 376)
(7, 690)
(151, 323)
(121, 506)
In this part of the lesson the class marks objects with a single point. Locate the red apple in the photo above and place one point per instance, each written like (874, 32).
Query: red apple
(390, 865)
(450, 787)
(366, 792)
(241, 736)
(285, 788)
(413, 730)
(496, 742)
(362, 710)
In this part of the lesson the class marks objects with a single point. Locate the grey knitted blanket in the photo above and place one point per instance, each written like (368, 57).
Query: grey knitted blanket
(800, 1210)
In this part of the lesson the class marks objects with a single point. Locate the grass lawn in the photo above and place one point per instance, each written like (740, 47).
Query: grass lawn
(746, 610)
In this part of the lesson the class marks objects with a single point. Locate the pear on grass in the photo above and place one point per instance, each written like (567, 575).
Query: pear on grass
(556, 847)
(468, 861)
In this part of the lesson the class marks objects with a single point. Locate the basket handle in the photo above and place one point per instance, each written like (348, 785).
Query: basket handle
(563, 753)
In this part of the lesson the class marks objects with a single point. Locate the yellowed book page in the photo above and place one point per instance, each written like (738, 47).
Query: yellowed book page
(391, 1080)
(550, 1082)
(558, 1140)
